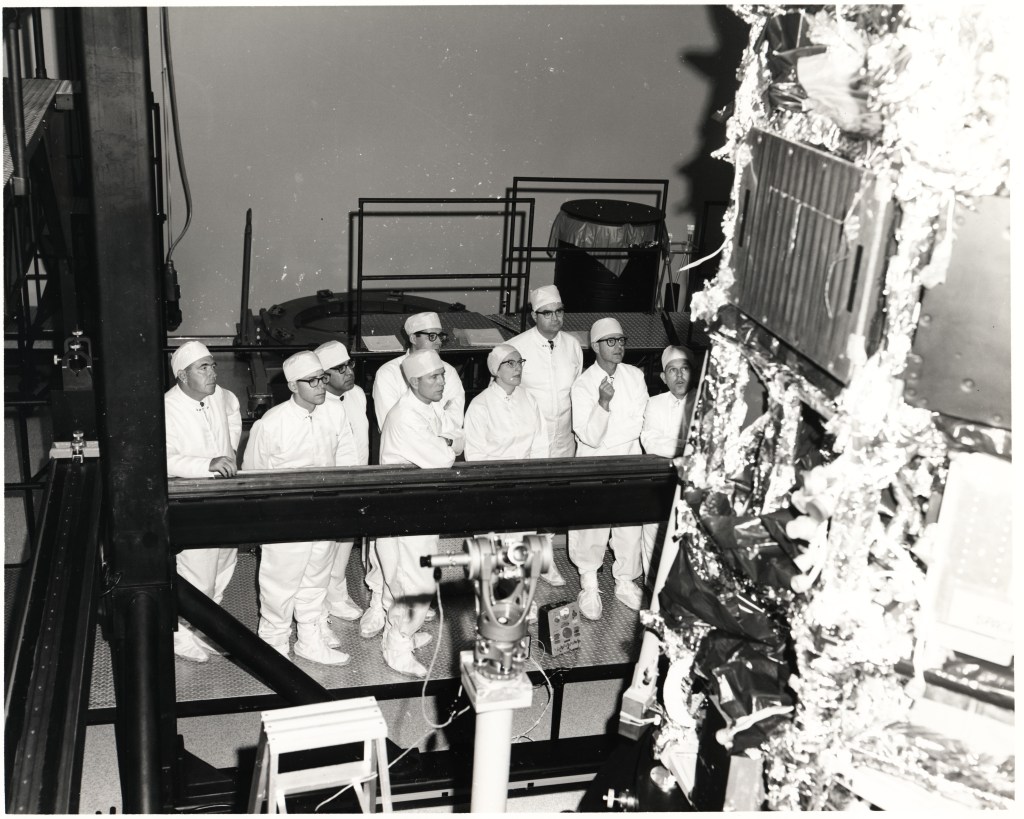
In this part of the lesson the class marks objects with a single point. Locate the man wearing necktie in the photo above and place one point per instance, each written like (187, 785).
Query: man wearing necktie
(203, 426)
(554, 362)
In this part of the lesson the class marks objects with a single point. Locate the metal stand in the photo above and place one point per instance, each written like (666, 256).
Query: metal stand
(492, 673)
(494, 702)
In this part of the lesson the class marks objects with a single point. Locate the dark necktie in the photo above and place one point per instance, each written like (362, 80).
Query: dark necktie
(551, 343)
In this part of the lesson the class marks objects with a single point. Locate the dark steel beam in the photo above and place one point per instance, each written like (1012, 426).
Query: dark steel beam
(139, 723)
(383, 501)
(129, 367)
(50, 650)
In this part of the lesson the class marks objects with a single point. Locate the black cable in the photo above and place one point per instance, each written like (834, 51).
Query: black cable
(177, 131)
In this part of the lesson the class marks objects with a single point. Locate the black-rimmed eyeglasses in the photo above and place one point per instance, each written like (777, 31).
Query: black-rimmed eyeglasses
(549, 313)
(515, 365)
(342, 368)
(432, 336)
(614, 342)
(315, 381)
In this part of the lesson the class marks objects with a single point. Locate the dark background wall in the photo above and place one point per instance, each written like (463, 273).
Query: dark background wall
(298, 112)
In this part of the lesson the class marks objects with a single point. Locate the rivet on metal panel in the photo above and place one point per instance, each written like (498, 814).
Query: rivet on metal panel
(997, 419)
(967, 385)
(912, 375)
(925, 320)
(911, 391)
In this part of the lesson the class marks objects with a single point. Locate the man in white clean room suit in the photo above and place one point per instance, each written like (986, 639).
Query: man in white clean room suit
(423, 332)
(666, 421)
(555, 361)
(203, 424)
(608, 403)
(344, 395)
(418, 432)
(299, 432)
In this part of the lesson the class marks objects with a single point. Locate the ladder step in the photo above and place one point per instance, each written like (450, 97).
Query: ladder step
(328, 776)
(332, 707)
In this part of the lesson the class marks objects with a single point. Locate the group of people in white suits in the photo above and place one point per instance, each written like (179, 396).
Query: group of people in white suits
(540, 403)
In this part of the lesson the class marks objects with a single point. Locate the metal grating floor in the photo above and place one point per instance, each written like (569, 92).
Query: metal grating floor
(612, 640)
(38, 95)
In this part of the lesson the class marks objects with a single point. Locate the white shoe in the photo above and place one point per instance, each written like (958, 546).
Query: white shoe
(629, 595)
(371, 622)
(331, 640)
(403, 661)
(316, 651)
(345, 610)
(421, 638)
(552, 576)
(187, 648)
(590, 603)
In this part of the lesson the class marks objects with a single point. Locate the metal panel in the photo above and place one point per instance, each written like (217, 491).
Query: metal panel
(809, 249)
(960, 362)
(395, 500)
(970, 574)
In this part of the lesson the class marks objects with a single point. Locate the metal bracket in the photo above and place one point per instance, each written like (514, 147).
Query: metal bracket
(77, 449)
(77, 353)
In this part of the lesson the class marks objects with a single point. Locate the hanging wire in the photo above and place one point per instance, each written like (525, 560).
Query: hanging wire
(177, 133)
(550, 690)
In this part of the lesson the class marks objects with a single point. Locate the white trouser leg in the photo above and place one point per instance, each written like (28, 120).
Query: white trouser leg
(651, 547)
(209, 570)
(374, 578)
(625, 543)
(561, 441)
(312, 591)
(282, 566)
(337, 587)
(586, 548)
(407, 585)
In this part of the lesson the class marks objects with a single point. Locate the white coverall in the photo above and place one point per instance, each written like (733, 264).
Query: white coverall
(389, 385)
(353, 405)
(550, 370)
(293, 576)
(198, 432)
(505, 426)
(411, 435)
(612, 432)
(666, 420)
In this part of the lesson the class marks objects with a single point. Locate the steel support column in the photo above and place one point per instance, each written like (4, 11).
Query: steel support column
(128, 364)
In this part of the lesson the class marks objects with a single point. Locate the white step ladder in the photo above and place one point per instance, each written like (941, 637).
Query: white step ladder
(322, 725)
